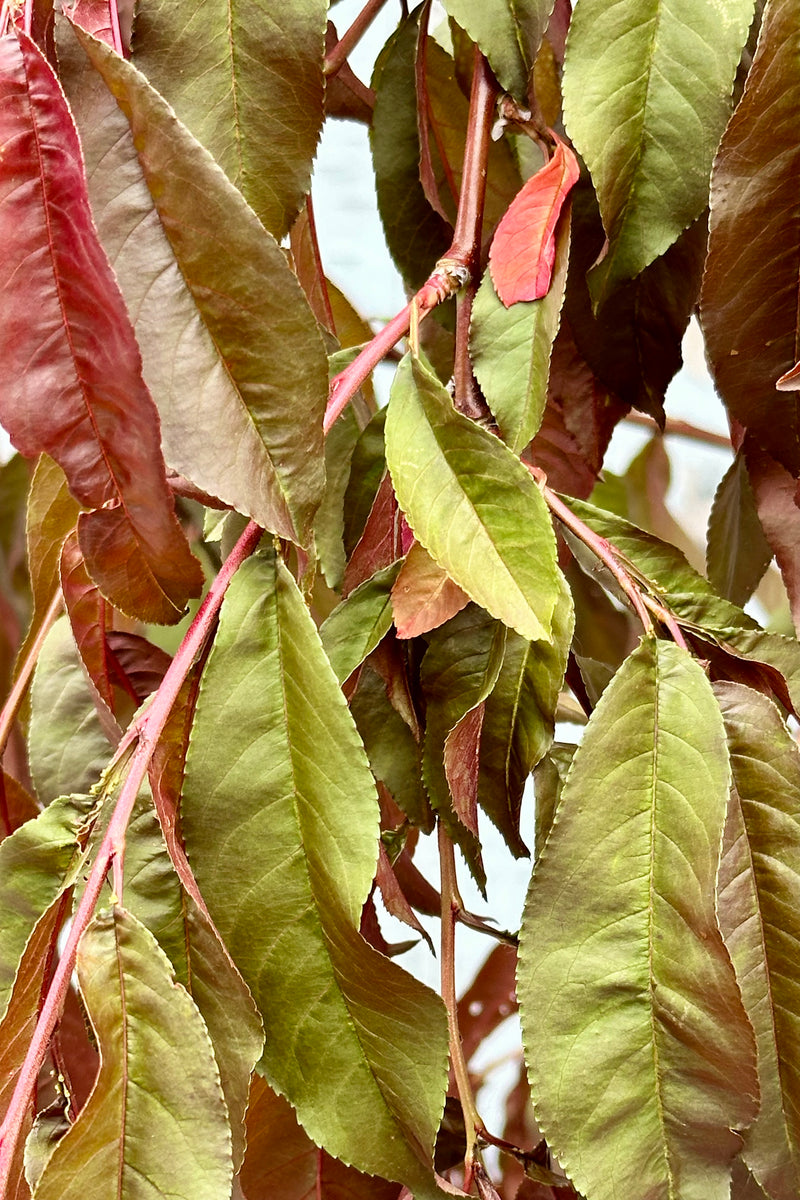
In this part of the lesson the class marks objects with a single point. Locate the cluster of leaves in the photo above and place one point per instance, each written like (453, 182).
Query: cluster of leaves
(197, 998)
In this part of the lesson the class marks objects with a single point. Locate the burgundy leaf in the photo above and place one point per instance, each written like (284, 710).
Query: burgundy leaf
(461, 764)
(381, 543)
(142, 664)
(775, 492)
(490, 998)
(394, 898)
(416, 888)
(523, 249)
(65, 335)
(86, 609)
(423, 595)
(17, 805)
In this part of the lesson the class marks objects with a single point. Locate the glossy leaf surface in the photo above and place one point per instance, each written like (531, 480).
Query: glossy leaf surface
(102, 427)
(290, 776)
(749, 301)
(638, 1097)
(156, 1065)
(232, 351)
(647, 87)
(247, 80)
(758, 885)
(493, 539)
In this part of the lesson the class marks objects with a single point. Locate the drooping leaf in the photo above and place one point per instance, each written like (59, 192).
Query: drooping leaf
(393, 752)
(508, 33)
(52, 513)
(330, 517)
(231, 349)
(283, 1163)
(647, 91)
(290, 778)
(103, 431)
(519, 721)
(415, 234)
(759, 877)
(86, 609)
(777, 516)
(355, 626)
(633, 344)
(511, 348)
(423, 595)
(749, 303)
(645, 1066)
(37, 863)
(489, 999)
(248, 83)
(471, 504)
(67, 744)
(738, 553)
(381, 543)
(367, 467)
(523, 250)
(157, 1113)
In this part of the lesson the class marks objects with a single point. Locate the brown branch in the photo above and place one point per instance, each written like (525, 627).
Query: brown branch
(335, 60)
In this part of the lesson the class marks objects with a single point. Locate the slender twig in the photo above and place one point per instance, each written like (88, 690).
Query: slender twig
(145, 731)
(26, 668)
(662, 614)
(600, 547)
(673, 427)
(453, 270)
(451, 904)
(351, 37)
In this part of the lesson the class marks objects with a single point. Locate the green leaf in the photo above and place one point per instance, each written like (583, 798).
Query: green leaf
(640, 1055)
(647, 91)
(511, 349)
(67, 747)
(247, 80)
(758, 888)
(509, 33)
(52, 513)
(37, 862)
(278, 795)
(738, 553)
(355, 626)
(156, 1122)
(471, 504)
(519, 720)
(329, 521)
(367, 468)
(415, 234)
(231, 350)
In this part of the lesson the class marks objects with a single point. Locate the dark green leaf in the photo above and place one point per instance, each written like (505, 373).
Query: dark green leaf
(738, 554)
(367, 467)
(355, 626)
(640, 1055)
(230, 347)
(247, 80)
(278, 792)
(511, 349)
(471, 504)
(157, 1113)
(647, 91)
(758, 886)
(330, 518)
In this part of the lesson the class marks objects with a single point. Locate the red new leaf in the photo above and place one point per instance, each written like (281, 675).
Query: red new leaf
(70, 371)
(523, 249)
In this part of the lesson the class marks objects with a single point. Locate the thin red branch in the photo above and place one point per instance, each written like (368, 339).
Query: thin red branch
(673, 427)
(25, 673)
(116, 32)
(351, 37)
(144, 731)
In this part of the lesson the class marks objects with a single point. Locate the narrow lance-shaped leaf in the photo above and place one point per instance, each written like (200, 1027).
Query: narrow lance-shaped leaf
(231, 348)
(758, 886)
(86, 609)
(511, 348)
(749, 304)
(76, 340)
(640, 1055)
(157, 1112)
(647, 91)
(738, 553)
(523, 249)
(247, 80)
(355, 626)
(509, 33)
(284, 799)
(471, 504)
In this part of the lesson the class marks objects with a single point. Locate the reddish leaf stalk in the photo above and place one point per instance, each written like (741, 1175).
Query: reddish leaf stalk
(26, 668)
(454, 269)
(144, 731)
(351, 37)
(451, 905)
(426, 125)
(323, 282)
(116, 32)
